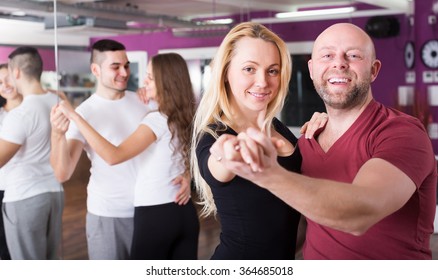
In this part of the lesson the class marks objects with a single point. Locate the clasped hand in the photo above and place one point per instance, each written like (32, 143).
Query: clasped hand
(252, 152)
(248, 153)
(60, 116)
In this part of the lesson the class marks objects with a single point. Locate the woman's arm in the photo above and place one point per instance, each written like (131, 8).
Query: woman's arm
(215, 163)
(137, 142)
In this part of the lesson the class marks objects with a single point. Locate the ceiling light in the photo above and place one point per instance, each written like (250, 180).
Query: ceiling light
(18, 13)
(218, 21)
(202, 31)
(309, 13)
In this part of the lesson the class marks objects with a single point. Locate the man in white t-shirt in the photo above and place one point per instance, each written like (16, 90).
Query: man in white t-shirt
(33, 200)
(115, 113)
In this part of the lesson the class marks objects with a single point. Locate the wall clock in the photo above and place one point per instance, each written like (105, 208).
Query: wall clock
(429, 54)
(409, 55)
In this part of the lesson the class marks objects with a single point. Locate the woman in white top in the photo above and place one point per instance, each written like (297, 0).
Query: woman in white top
(163, 229)
(9, 99)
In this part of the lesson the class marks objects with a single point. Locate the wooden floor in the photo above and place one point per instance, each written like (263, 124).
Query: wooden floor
(74, 245)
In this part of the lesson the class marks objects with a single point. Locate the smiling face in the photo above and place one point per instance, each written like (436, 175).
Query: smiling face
(343, 66)
(7, 91)
(149, 83)
(253, 75)
(112, 71)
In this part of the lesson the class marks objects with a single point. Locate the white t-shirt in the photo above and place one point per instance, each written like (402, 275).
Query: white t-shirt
(110, 188)
(29, 173)
(2, 116)
(158, 166)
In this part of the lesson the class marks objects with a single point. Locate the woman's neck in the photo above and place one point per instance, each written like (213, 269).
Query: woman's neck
(242, 121)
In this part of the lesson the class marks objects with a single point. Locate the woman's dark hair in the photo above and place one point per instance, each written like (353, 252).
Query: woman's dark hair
(176, 98)
(2, 100)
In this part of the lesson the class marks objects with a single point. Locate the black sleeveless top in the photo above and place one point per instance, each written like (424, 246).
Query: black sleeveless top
(255, 224)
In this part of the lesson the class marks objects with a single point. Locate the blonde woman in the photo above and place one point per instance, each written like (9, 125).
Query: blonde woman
(250, 78)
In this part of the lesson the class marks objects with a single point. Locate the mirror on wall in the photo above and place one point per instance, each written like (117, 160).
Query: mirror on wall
(74, 69)
(66, 66)
(302, 100)
(138, 64)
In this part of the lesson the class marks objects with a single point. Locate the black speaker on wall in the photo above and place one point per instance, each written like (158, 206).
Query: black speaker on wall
(382, 26)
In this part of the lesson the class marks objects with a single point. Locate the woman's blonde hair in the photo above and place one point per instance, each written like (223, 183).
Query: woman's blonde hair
(214, 107)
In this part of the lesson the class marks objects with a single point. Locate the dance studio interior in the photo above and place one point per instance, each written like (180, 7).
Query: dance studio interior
(404, 32)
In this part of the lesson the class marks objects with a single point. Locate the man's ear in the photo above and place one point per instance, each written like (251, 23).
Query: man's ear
(16, 73)
(95, 69)
(375, 68)
(310, 66)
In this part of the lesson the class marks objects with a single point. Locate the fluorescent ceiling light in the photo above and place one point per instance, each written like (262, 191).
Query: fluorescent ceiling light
(316, 12)
(18, 13)
(218, 21)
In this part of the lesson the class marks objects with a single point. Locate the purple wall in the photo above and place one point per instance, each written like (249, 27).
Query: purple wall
(154, 42)
(422, 33)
